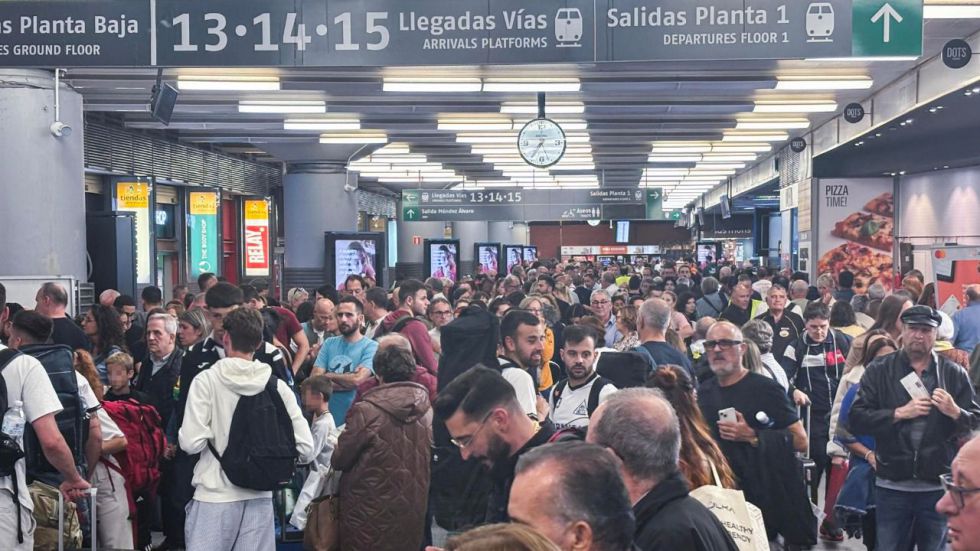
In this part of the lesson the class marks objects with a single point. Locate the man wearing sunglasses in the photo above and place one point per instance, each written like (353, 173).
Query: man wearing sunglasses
(961, 500)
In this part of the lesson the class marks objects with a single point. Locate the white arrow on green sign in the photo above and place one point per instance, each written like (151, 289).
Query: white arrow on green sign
(887, 28)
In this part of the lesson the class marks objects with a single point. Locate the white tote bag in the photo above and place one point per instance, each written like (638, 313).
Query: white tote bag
(742, 519)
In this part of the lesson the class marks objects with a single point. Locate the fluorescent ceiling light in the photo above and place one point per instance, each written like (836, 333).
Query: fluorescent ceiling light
(532, 85)
(861, 59)
(531, 108)
(795, 107)
(363, 137)
(227, 83)
(768, 137)
(321, 124)
(390, 179)
(433, 84)
(727, 157)
(282, 106)
(951, 11)
(679, 150)
(830, 83)
(562, 165)
(771, 124)
(508, 138)
(741, 148)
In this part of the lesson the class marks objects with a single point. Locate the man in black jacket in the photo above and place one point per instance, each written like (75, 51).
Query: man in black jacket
(487, 423)
(916, 404)
(641, 427)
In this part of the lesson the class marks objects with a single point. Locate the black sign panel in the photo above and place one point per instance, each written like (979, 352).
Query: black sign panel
(736, 227)
(75, 33)
(957, 54)
(798, 145)
(347, 33)
(854, 113)
(529, 204)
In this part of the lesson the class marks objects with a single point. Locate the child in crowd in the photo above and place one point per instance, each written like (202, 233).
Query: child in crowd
(316, 392)
(119, 367)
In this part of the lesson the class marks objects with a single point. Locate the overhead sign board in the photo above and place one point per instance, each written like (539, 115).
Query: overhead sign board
(345, 33)
(533, 204)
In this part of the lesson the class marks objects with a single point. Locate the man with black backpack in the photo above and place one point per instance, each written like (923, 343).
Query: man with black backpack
(24, 380)
(250, 432)
(573, 400)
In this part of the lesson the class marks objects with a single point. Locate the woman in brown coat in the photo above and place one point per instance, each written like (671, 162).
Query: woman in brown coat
(384, 454)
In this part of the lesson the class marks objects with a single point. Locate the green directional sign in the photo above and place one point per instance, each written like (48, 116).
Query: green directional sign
(887, 28)
(655, 204)
(411, 214)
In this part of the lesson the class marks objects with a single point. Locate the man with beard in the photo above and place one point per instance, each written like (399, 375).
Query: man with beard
(573, 400)
(488, 424)
(522, 340)
(917, 404)
(347, 360)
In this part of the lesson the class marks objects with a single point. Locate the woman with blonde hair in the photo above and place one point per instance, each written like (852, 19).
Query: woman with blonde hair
(626, 323)
(501, 537)
(678, 321)
(699, 451)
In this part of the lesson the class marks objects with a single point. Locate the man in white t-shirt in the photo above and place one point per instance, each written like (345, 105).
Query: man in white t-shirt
(573, 400)
(27, 382)
(522, 340)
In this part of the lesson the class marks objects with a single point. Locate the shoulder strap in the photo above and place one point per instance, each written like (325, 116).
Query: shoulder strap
(557, 391)
(594, 393)
(6, 356)
(402, 323)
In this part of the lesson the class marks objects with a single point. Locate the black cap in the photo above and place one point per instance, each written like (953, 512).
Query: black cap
(921, 315)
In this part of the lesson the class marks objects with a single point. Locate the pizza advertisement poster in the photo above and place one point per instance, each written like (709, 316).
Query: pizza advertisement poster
(856, 229)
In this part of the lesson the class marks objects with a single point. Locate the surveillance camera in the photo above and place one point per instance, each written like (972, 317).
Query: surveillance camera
(349, 188)
(60, 129)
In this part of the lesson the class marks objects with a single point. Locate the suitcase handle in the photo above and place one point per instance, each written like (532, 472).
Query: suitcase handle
(93, 492)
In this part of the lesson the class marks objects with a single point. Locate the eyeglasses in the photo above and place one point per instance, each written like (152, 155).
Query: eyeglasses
(957, 493)
(724, 344)
(441, 312)
(600, 302)
(464, 441)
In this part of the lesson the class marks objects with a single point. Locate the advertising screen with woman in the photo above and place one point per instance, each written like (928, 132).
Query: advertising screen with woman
(488, 257)
(530, 254)
(442, 258)
(354, 257)
(514, 255)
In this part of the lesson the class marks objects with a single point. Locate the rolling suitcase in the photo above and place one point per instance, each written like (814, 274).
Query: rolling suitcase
(810, 474)
(93, 492)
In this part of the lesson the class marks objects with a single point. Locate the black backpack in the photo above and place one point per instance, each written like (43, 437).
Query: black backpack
(625, 369)
(58, 361)
(10, 450)
(594, 392)
(261, 451)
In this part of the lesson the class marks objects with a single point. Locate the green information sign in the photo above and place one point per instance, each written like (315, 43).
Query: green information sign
(887, 28)
(655, 204)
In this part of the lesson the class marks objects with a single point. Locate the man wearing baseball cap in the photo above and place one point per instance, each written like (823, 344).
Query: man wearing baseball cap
(916, 404)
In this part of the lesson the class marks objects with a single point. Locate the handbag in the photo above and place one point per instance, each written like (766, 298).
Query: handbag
(742, 519)
(322, 532)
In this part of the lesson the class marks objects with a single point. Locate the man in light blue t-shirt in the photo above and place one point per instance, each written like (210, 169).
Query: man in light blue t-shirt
(346, 360)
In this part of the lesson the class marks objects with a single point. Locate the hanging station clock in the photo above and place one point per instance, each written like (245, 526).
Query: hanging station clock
(541, 142)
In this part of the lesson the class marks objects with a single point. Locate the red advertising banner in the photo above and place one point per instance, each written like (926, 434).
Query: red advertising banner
(954, 268)
(256, 237)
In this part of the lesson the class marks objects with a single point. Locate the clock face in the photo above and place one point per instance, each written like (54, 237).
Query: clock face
(541, 143)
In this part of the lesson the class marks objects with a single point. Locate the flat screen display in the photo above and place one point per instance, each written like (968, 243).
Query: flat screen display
(360, 253)
(442, 259)
(726, 207)
(487, 256)
(530, 254)
(514, 253)
(623, 231)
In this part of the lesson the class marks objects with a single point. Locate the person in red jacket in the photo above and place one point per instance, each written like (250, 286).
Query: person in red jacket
(413, 300)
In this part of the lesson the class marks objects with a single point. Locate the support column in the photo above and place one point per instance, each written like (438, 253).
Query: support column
(42, 215)
(314, 202)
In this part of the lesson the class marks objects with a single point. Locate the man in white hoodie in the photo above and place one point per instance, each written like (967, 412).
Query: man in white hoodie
(222, 515)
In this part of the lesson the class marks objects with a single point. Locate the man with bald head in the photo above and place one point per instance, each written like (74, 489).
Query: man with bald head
(640, 427)
(422, 376)
(652, 322)
(742, 307)
(108, 297)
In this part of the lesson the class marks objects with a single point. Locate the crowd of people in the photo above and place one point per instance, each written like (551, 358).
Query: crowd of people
(564, 405)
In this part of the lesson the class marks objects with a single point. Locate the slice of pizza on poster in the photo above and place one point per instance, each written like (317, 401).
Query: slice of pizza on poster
(856, 229)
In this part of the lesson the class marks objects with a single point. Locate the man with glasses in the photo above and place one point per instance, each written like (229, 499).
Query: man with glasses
(440, 314)
(488, 424)
(916, 404)
(602, 308)
(961, 500)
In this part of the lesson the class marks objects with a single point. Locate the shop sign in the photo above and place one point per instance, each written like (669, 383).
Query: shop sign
(854, 113)
(256, 237)
(379, 33)
(957, 53)
(736, 227)
(202, 221)
(134, 196)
